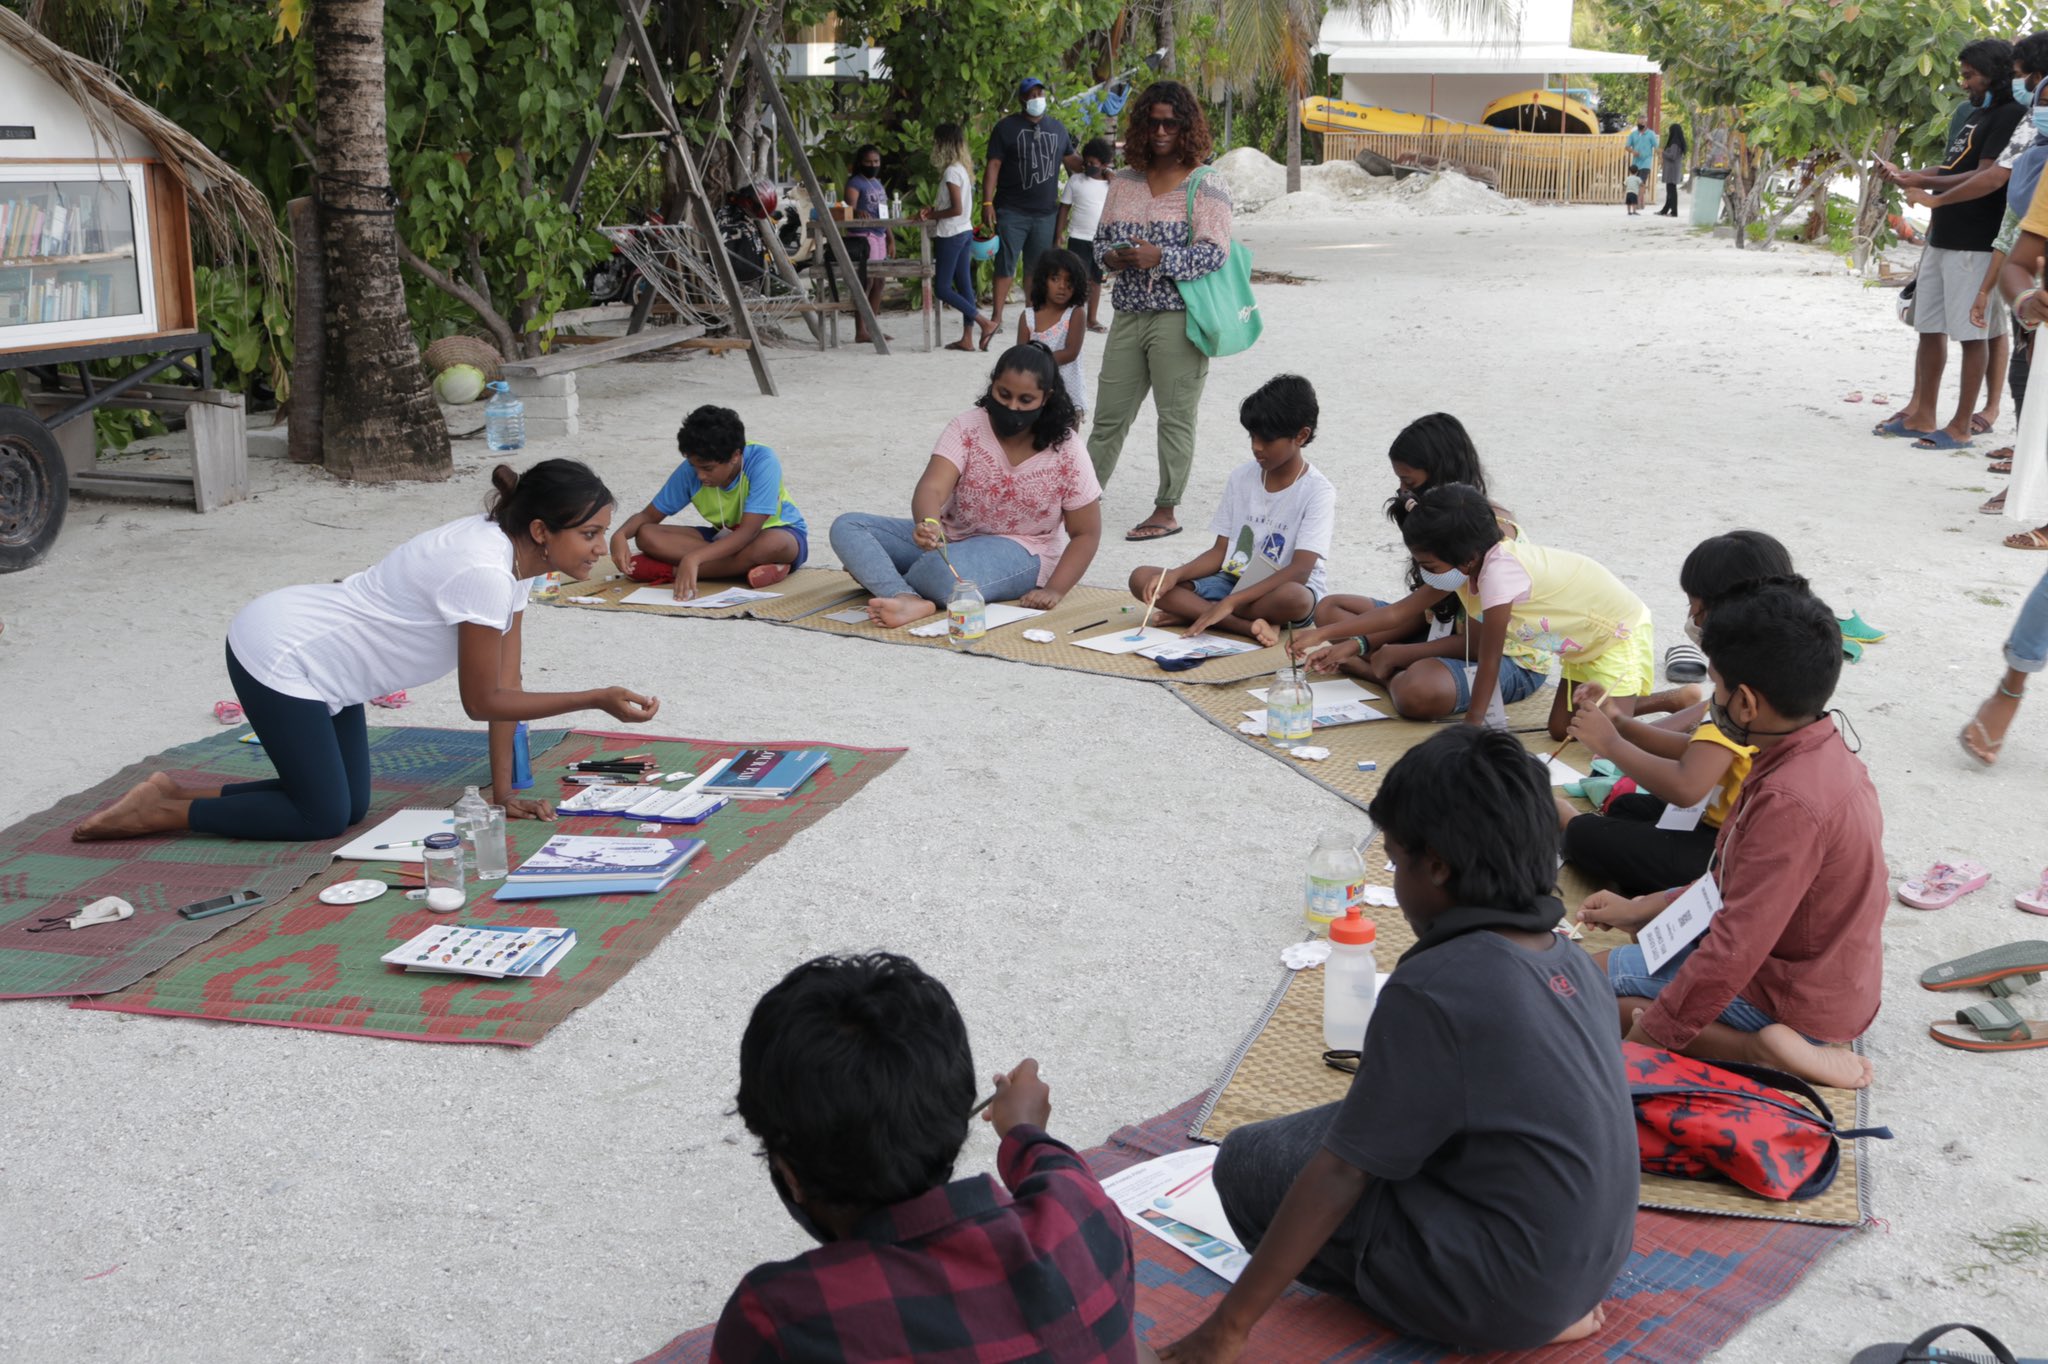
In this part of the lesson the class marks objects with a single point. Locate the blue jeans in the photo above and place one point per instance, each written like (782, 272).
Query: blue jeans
(1217, 586)
(1024, 236)
(1516, 681)
(953, 274)
(1628, 971)
(2026, 648)
(881, 553)
(322, 786)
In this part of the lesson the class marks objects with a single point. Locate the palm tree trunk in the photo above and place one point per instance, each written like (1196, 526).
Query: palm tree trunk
(1169, 34)
(1293, 140)
(379, 421)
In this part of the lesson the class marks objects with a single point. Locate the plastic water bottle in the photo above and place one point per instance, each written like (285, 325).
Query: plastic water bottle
(896, 205)
(966, 615)
(504, 419)
(471, 813)
(522, 759)
(1335, 881)
(1290, 710)
(1351, 983)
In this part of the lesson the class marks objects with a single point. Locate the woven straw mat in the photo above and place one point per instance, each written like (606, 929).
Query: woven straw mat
(807, 589)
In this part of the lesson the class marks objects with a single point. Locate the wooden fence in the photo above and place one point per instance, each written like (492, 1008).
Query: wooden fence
(1572, 168)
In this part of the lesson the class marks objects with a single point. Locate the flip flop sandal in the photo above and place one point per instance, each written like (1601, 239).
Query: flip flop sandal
(1999, 466)
(1994, 969)
(1993, 505)
(1978, 426)
(1942, 884)
(395, 701)
(2037, 903)
(1158, 532)
(1924, 1351)
(2002, 452)
(227, 712)
(1994, 1026)
(1894, 425)
(1983, 749)
(1860, 630)
(1941, 440)
(1684, 663)
(2026, 539)
(1852, 397)
(1852, 650)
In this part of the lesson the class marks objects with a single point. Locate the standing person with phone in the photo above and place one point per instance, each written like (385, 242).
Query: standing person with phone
(304, 660)
(1151, 241)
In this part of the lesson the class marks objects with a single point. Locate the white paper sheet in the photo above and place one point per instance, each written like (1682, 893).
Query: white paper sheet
(858, 616)
(1174, 1198)
(666, 596)
(1335, 692)
(1121, 642)
(994, 617)
(406, 826)
(1685, 818)
(1331, 716)
(1682, 920)
(1199, 646)
(1561, 774)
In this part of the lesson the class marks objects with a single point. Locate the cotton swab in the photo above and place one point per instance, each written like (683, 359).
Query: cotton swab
(1157, 583)
(933, 520)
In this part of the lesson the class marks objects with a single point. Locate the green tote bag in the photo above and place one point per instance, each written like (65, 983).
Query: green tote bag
(1223, 317)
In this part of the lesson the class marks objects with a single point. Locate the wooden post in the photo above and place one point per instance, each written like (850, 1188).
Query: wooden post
(607, 91)
(1656, 100)
(823, 207)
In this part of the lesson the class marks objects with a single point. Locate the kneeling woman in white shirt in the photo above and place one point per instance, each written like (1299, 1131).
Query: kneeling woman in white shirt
(303, 661)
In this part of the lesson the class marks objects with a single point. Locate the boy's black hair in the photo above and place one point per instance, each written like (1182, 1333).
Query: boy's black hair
(1052, 262)
(1779, 640)
(1057, 419)
(1477, 799)
(1101, 148)
(558, 493)
(856, 1071)
(1991, 58)
(712, 434)
(1721, 563)
(1442, 449)
(1279, 408)
(2030, 54)
(1453, 522)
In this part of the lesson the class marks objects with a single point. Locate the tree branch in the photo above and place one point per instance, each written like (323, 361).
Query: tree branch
(500, 330)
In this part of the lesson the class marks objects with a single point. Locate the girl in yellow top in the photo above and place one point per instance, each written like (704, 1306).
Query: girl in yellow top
(1662, 835)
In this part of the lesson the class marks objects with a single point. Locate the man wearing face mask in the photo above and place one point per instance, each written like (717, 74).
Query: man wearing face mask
(1020, 187)
(857, 1080)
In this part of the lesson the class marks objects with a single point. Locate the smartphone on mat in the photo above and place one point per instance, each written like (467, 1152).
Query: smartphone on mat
(221, 904)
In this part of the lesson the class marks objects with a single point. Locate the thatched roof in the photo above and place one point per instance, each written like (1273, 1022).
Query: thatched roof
(228, 206)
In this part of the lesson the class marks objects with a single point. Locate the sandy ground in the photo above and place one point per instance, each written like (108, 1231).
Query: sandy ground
(1104, 881)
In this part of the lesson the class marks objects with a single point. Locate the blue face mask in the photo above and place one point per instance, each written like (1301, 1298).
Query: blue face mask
(2020, 91)
(2040, 117)
(1448, 581)
(1982, 101)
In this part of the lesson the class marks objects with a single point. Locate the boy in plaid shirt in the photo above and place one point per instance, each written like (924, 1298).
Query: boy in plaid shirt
(856, 1076)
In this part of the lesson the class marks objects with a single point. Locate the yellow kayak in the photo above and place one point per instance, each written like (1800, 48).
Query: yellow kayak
(1320, 115)
(1540, 111)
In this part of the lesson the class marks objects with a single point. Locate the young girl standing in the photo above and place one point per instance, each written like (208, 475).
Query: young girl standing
(1054, 318)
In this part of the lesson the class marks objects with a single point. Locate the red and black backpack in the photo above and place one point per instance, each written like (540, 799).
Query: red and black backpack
(1732, 1120)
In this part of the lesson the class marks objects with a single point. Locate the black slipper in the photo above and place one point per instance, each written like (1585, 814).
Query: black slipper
(1923, 1350)
(1158, 532)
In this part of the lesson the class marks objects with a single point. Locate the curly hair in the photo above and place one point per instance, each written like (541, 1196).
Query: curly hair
(1195, 143)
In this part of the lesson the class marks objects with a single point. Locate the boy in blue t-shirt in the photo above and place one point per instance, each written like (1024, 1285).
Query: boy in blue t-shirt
(753, 528)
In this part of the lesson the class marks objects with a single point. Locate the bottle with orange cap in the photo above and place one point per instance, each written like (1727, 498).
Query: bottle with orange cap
(1350, 982)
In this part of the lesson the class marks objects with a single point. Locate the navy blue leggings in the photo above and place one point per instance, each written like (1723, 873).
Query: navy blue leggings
(323, 770)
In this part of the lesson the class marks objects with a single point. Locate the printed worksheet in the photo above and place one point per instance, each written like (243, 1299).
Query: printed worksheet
(1174, 1198)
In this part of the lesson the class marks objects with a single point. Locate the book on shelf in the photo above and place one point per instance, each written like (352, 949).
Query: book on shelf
(768, 773)
(493, 951)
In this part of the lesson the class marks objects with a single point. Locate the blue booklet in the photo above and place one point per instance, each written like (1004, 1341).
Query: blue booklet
(768, 774)
(571, 857)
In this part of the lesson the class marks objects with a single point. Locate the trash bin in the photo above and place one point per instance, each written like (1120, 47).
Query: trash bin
(1707, 187)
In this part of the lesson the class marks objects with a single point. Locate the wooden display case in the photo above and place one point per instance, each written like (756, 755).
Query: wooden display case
(92, 252)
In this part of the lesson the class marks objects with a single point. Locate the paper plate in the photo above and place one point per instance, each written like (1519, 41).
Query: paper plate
(352, 892)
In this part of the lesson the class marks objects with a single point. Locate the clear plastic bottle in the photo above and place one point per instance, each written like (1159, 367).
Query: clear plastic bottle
(1350, 983)
(470, 812)
(504, 419)
(1335, 880)
(966, 615)
(1290, 709)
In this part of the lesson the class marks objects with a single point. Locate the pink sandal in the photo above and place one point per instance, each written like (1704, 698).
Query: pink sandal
(394, 701)
(2037, 903)
(1942, 884)
(227, 712)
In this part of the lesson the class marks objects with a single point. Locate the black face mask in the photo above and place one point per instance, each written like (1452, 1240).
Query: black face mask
(873, 172)
(1010, 422)
(796, 1211)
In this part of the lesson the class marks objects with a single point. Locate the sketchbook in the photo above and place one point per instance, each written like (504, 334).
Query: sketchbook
(409, 827)
(666, 596)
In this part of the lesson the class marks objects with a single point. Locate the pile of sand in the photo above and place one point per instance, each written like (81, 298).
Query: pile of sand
(1342, 189)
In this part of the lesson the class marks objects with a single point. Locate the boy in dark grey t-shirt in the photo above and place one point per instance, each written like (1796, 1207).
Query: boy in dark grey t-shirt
(1478, 1184)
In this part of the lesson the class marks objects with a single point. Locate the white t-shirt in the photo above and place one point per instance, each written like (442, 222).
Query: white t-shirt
(390, 627)
(1084, 197)
(1263, 531)
(956, 176)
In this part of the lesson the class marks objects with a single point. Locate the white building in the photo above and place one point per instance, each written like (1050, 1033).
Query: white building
(1417, 65)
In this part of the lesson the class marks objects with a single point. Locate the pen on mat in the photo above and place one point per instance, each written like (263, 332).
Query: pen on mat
(1075, 631)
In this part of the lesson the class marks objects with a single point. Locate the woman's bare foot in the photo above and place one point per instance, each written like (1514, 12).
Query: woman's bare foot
(146, 809)
(1985, 734)
(897, 612)
(1788, 1051)
(1583, 1327)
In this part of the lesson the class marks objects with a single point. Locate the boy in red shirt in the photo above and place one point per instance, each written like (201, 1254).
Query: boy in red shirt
(1794, 961)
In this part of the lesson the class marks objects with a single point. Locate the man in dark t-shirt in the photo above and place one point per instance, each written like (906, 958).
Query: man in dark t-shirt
(1020, 187)
(1958, 253)
(1477, 1186)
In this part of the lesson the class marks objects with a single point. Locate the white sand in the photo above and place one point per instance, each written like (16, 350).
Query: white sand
(272, 1194)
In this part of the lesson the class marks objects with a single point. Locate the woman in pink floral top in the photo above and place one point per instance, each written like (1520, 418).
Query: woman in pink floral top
(1009, 492)
(1148, 241)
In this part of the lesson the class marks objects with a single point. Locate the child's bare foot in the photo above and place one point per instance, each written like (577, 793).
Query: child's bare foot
(1264, 632)
(1583, 1327)
(146, 809)
(897, 612)
(1835, 1066)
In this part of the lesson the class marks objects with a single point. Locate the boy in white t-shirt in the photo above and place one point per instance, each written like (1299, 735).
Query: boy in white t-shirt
(1273, 528)
(1081, 209)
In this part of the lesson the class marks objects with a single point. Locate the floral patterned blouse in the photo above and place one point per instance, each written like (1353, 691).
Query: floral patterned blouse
(1026, 503)
(1133, 213)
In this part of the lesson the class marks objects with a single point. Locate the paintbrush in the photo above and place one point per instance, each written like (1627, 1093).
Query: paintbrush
(942, 551)
(1157, 583)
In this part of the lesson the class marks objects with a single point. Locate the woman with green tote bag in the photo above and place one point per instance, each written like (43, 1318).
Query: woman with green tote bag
(1153, 245)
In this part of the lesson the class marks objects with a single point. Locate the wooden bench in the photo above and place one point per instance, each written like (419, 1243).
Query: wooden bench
(596, 351)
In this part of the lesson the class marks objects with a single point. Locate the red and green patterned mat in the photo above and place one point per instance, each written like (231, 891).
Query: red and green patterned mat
(299, 963)
(43, 873)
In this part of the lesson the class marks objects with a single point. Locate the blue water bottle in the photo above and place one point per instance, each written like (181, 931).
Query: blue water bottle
(522, 762)
(504, 419)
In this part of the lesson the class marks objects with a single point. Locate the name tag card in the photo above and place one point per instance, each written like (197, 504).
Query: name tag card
(1682, 920)
(1684, 819)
